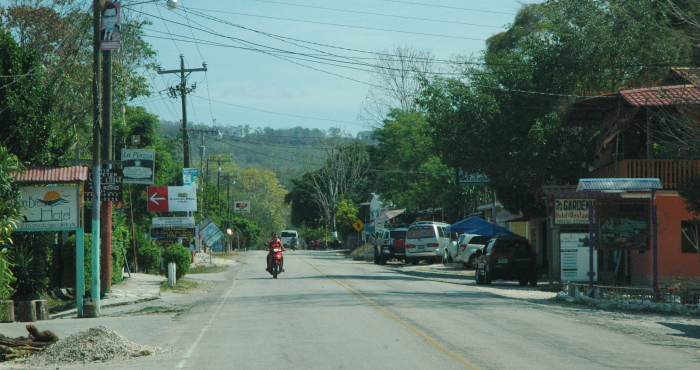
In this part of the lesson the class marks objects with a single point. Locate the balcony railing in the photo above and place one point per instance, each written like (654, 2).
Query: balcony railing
(670, 171)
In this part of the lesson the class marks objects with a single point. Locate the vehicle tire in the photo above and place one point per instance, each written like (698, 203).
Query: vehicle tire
(376, 256)
(275, 269)
(382, 259)
(466, 265)
(522, 282)
(487, 276)
(533, 281)
(472, 262)
(478, 277)
(446, 257)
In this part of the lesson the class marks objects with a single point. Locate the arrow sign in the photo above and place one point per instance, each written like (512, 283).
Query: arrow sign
(172, 198)
(157, 199)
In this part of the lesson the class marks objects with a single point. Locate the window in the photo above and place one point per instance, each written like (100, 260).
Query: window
(690, 236)
(420, 232)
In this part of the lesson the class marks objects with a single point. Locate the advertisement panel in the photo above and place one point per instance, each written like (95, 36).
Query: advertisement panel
(110, 185)
(575, 257)
(623, 224)
(49, 208)
(241, 206)
(571, 211)
(211, 234)
(140, 165)
(173, 232)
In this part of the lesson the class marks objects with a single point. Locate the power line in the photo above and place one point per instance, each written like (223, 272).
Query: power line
(378, 14)
(448, 7)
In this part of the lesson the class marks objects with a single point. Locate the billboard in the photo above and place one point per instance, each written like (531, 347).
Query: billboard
(139, 167)
(49, 208)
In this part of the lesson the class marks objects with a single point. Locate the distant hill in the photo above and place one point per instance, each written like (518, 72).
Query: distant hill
(290, 153)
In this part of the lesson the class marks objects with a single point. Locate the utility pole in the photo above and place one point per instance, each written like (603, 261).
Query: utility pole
(183, 90)
(97, 6)
(107, 155)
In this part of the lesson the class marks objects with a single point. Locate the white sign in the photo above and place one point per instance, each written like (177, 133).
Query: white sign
(173, 221)
(571, 211)
(211, 234)
(379, 223)
(575, 257)
(471, 179)
(241, 206)
(172, 198)
(140, 165)
(49, 207)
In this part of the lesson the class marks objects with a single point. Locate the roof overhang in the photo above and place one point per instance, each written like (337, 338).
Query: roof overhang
(623, 185)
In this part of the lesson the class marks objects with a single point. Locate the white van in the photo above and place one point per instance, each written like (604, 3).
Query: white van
(287, 236)
(426, 240)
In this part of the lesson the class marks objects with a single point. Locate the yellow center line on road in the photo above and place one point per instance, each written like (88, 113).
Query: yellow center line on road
(405, 324)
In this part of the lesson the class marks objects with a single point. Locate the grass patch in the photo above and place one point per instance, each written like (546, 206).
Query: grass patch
(207, 269)
(182, 286)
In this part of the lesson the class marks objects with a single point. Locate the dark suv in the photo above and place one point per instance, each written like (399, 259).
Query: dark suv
(507, 258)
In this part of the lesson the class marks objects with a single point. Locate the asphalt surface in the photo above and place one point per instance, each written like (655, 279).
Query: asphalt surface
(329, 312)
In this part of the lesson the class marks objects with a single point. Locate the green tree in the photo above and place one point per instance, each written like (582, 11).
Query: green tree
(503, 116)
(409, 174)
(345, 215)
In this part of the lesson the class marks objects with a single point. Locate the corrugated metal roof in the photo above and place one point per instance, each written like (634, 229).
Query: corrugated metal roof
(662, 96)
(621, 185)
(45, 174)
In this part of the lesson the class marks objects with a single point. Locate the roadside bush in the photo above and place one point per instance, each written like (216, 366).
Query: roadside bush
(181, 256)
(68, 255)
(149, 259)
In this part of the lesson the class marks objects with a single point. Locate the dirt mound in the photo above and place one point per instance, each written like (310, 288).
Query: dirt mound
(98, 344)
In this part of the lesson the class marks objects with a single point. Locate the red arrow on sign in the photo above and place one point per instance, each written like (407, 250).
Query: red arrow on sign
(158, 199)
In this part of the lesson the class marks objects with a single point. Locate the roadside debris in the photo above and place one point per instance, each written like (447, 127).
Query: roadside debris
(12, 348)
(98, 344)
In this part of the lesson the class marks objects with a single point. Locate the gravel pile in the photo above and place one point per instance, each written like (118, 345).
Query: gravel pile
(98, 344)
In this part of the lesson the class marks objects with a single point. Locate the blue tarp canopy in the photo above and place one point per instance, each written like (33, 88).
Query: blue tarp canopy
(476, 225)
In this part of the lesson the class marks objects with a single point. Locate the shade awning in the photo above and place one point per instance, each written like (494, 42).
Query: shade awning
(618, 185)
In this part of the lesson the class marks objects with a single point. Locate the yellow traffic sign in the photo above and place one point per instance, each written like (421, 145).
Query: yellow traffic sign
(358, 225)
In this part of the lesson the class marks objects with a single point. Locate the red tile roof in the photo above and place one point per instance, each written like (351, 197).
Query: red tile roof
(44, 174)
(662, 96)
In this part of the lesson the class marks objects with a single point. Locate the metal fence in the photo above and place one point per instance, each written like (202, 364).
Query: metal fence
(665, 294)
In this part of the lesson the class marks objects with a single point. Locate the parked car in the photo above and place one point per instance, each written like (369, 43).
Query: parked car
(507, 258)
(390, 244)
(468, 248)
(426, 240)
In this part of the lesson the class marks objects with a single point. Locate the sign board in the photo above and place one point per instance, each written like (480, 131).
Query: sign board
(173, 232)
(623, 224)
(470, 179)
(190, 176)
(211, 234)
(110, 185)
(379, 223)
(49, 207)
(173, 221)
(241, 206)
(140, 165)
(575, 257)
(358, 225)
(571, 211)
(172, 198)
(110, 26)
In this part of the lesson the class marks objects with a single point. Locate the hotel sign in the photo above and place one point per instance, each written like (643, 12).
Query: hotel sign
(49, 208)
(571, 211)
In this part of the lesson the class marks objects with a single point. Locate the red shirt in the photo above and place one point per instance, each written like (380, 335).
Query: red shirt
(274, 243)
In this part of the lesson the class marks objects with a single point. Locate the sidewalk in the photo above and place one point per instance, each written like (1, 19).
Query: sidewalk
(142, 287)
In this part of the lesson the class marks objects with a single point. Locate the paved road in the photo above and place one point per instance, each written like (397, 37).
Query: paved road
(328, 312)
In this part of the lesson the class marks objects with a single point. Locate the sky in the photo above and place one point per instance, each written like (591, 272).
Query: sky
(307, 63)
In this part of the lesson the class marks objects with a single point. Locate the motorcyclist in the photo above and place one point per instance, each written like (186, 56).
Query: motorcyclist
(273, 243)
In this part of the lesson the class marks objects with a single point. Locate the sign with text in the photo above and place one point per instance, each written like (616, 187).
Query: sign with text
(211, 234)
(571, 211)
(172, 199)
(241, 206)
(575, 257)
(49, 207)
(471, 179)
(172, 221)
(110, 185)
(173, 232)
(140, 165)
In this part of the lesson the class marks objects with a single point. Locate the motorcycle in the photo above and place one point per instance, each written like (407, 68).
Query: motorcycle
(276, 262)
